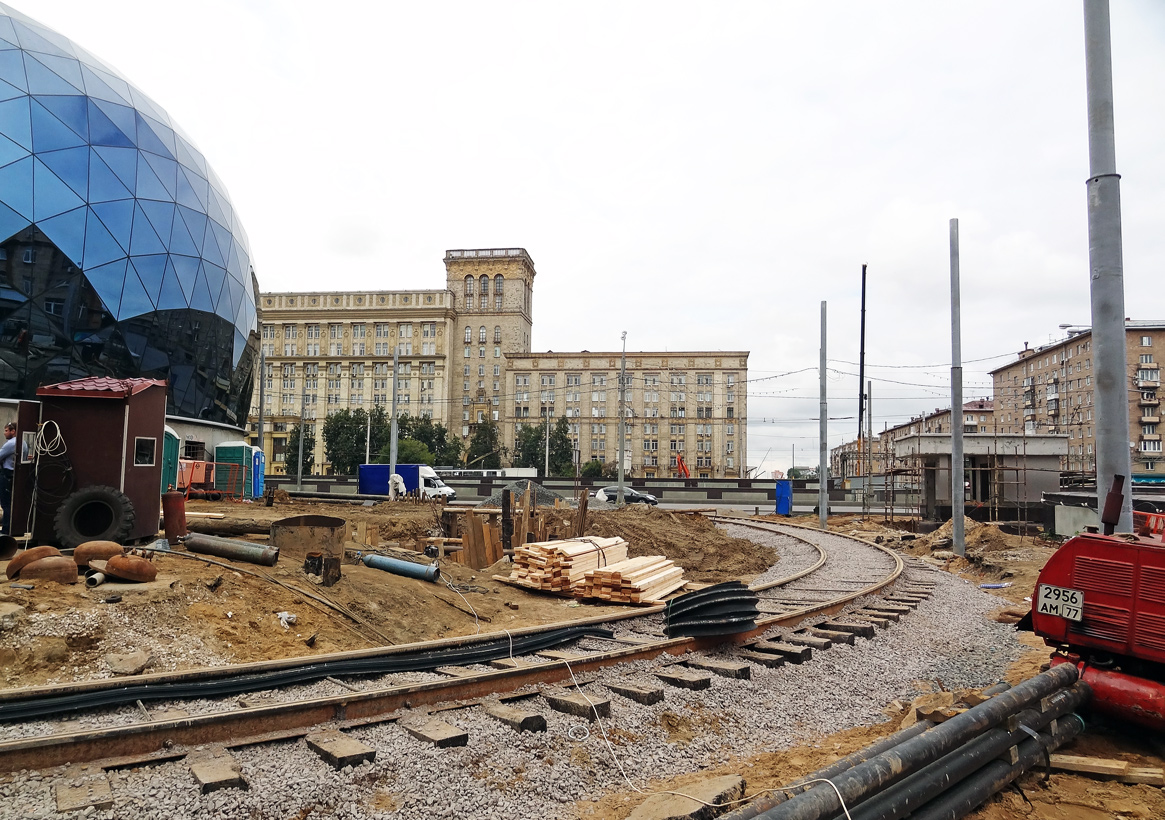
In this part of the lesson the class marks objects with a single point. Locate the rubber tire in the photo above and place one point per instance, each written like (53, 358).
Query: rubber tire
(94, 514)
(214, 495)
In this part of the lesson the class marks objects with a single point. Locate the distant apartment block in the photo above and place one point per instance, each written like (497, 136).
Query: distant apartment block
(464, 359)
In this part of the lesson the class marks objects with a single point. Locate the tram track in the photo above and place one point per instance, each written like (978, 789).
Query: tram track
(435, 679)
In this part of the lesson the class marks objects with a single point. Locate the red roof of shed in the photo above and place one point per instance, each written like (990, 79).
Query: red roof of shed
(100, 387)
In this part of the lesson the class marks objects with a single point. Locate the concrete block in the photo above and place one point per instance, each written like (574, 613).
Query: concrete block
(763, 658)
(725, 669)
(790, 652)
(646, 695)
(94, 791)
(715, 790)
(340, 750)
(217, 772)
(862, 630)
(439, 733)
(686, 680)
(833, 635)
(811, 641)
(516, 719)
(578, 706)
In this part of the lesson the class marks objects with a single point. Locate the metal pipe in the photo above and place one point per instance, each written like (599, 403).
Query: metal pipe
(928, 783)
(393, 432)
(906, 758)
(767, 801)
(230, 548)
(622, 421)
(1106, 263)
(409, 569)
(861, 367)
(957, 493)
(95, 579)
(823, 438)
(964, 798)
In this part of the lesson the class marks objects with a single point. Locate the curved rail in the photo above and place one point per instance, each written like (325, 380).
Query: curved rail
(292, 719)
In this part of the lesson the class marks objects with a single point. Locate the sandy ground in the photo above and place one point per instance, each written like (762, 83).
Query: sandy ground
(992, 557)
(197, 614)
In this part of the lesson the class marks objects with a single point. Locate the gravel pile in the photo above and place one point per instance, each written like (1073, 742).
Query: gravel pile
(544, 497)
(504, 774)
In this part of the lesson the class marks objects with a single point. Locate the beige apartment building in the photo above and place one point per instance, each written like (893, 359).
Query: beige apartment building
(689, 405)
(329, 350)
(463, 357)
(1049, 389)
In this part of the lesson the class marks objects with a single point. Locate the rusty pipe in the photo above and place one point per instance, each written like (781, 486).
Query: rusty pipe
(230, 548)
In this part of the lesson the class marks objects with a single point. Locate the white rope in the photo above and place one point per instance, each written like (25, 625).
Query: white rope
(628, 781)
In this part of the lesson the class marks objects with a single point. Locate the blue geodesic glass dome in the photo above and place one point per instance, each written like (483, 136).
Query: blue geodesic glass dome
(120, 252)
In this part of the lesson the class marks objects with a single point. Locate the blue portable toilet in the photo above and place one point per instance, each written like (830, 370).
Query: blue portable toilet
(258, 471)
(784, 496)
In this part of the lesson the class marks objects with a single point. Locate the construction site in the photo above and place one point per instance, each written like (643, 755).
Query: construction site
(560, 674)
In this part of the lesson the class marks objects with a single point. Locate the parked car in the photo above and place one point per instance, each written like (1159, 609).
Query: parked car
(630, 496)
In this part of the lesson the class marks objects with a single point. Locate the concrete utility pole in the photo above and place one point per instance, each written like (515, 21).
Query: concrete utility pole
(392, 428)
(262, 397)
(368, 439)
(622, 423)
(1106, 266)
(546, 467)
(957, 528)
(302, 431)
(823, 434)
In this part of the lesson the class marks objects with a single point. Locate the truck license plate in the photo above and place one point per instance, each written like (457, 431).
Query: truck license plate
(1062, 602)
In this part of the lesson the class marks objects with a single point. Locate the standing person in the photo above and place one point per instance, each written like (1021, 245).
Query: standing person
(7, 464)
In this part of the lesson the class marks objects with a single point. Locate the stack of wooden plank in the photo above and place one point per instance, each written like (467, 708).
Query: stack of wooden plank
(643, 580)
(561, 566)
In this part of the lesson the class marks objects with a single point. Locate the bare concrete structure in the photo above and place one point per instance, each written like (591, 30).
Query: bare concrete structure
(1006, 474)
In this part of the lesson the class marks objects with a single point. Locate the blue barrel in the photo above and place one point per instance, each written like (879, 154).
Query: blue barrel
(784, 497)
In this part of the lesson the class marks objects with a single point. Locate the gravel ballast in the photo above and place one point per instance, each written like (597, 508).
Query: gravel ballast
(506, 774)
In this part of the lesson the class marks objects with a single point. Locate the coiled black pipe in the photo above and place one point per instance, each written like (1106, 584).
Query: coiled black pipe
(906, 758)
(234, 684)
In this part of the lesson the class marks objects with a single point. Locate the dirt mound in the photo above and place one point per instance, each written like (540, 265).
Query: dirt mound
(691, 540)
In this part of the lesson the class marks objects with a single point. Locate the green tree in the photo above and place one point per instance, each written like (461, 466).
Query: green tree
(592, 469)
(345, 435)
(446, 449)
(561, 449)
(529, 447)
(291, 454)
(408, 451)
(485, 448)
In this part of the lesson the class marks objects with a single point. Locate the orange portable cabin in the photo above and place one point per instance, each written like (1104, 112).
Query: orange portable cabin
(92, 451)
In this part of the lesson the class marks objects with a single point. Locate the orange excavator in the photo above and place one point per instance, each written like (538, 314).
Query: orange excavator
(682, 467)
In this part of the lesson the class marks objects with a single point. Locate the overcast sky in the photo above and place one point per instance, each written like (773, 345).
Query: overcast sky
(701, 175)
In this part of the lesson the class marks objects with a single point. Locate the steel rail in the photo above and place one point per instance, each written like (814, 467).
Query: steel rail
(151, 738)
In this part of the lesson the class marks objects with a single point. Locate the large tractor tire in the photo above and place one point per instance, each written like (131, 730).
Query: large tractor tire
(94, 514)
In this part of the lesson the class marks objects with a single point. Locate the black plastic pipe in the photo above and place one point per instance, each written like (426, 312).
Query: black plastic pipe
(975, 790)
(234, 683)
(928, 783)
(866, 778)
(771, 799)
